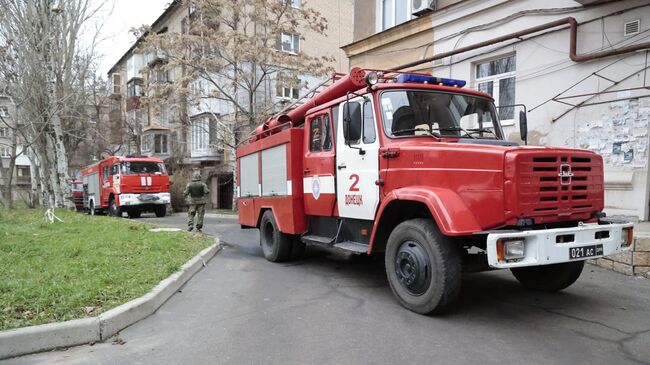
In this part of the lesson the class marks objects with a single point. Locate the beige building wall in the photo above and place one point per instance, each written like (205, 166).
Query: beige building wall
(339, 15)
(395, 46)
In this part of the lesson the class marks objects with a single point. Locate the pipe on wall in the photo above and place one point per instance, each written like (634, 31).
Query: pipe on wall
(573, 36)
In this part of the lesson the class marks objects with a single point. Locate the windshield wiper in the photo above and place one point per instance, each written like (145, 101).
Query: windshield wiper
(415, 130)
(482, 130)
(457, 129)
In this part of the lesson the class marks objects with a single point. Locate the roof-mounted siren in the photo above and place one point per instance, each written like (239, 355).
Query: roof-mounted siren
(421, 7)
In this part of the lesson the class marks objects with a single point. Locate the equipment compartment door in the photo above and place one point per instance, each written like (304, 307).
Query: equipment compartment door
(357, 166)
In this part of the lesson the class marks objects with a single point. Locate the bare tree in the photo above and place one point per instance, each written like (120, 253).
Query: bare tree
(46, 69)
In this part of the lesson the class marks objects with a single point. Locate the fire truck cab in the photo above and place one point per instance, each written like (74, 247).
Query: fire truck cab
(131, 184)
(416, 167)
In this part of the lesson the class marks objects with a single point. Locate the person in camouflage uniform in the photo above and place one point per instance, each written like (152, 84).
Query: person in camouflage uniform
(197, 194)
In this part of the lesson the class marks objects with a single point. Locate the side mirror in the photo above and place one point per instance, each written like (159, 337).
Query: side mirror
(523, 126)
(352, 122)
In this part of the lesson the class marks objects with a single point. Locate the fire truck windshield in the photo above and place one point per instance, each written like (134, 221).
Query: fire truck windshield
(142, 167)
(408, 113)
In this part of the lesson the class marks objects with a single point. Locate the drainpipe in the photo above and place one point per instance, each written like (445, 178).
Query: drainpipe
(573, 35)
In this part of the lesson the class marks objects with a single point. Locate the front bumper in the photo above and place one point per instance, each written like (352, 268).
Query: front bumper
(543, 247)
(127, 200)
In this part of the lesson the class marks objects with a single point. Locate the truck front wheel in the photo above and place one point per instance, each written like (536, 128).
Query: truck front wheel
(276, 245)
(549, 278)
(113, 209)
(423, 267)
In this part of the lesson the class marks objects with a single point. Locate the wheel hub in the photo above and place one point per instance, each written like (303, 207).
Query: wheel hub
(413, 267)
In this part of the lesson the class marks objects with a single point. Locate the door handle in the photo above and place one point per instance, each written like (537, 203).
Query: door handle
(342, 166)
(306, 171)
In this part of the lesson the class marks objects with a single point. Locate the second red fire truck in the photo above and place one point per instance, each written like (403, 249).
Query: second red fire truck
(416, 167)
(131, 184)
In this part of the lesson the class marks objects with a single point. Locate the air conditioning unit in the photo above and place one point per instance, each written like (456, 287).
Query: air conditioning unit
(421, 7)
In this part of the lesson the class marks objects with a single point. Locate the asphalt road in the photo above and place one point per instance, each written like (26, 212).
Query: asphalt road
(331, 308)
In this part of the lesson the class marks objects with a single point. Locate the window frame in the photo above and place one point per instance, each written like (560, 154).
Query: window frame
(5, 152)
(316, 120)
(393, 23)
(161, 141)
(495, 79)
(4, 132)
(295, 38)
(201, 135)
(4, 112)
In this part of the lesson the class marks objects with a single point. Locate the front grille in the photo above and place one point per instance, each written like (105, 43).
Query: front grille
(560, 184)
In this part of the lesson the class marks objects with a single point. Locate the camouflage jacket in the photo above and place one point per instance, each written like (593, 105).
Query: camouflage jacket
(197, 192)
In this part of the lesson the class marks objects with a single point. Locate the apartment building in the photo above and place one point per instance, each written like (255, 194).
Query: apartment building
(10, 146)
(190, 131)
(596, 99)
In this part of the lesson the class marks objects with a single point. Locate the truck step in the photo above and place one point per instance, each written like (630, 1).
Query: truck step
(318, 240)
(352, 246)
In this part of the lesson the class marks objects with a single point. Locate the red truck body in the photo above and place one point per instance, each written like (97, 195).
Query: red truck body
(131, 184)
(365, 164)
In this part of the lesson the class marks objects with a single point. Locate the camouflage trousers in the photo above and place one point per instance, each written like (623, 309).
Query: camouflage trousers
(197, 210)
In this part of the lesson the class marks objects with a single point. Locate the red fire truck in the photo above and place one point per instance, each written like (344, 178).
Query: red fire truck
(416, 167)
(131, 184)
(76, 186)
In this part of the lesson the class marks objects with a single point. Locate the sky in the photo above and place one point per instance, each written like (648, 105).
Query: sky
(115, 33)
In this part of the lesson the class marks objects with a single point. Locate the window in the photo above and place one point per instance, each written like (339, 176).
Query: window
(5, 152)
(4, 132)
(23, 171)
(200, 135)
(394, 12)
(286, 90)
(142, 167)
(315, 135)
(4, 111)
(134, 65)
(294, 3)
(428, 113)
(115, 169)
(146, 142)
(117, 84)
(160, 76)
(164, 115)
(134, 87)
(160, 143)
(497, 78)
(369, 134)
(290, 42)
(105, 173)
(327, 133)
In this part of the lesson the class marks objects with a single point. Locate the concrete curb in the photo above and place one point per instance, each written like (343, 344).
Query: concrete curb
(27, 340)
(222, 216)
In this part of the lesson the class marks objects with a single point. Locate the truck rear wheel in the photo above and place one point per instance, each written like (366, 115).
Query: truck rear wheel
(276, 245)
(160, 211)
(549, 278)
(423, 267)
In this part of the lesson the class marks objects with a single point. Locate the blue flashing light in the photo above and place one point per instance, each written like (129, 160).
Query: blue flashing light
(423, 79)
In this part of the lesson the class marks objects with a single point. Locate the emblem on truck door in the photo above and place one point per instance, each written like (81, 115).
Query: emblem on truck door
(315, 187)
(565, 174)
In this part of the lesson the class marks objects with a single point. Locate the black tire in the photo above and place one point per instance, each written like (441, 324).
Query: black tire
(423, 267)
(276, 245)
(549, 278)
(297, 248)
(161, 211)
(134, 213)
(113, 209)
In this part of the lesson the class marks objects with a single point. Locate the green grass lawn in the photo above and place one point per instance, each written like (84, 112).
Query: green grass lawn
(81, 267)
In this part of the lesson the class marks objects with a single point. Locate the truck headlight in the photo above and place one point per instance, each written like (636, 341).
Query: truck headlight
(511, 249)
(627, 236)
